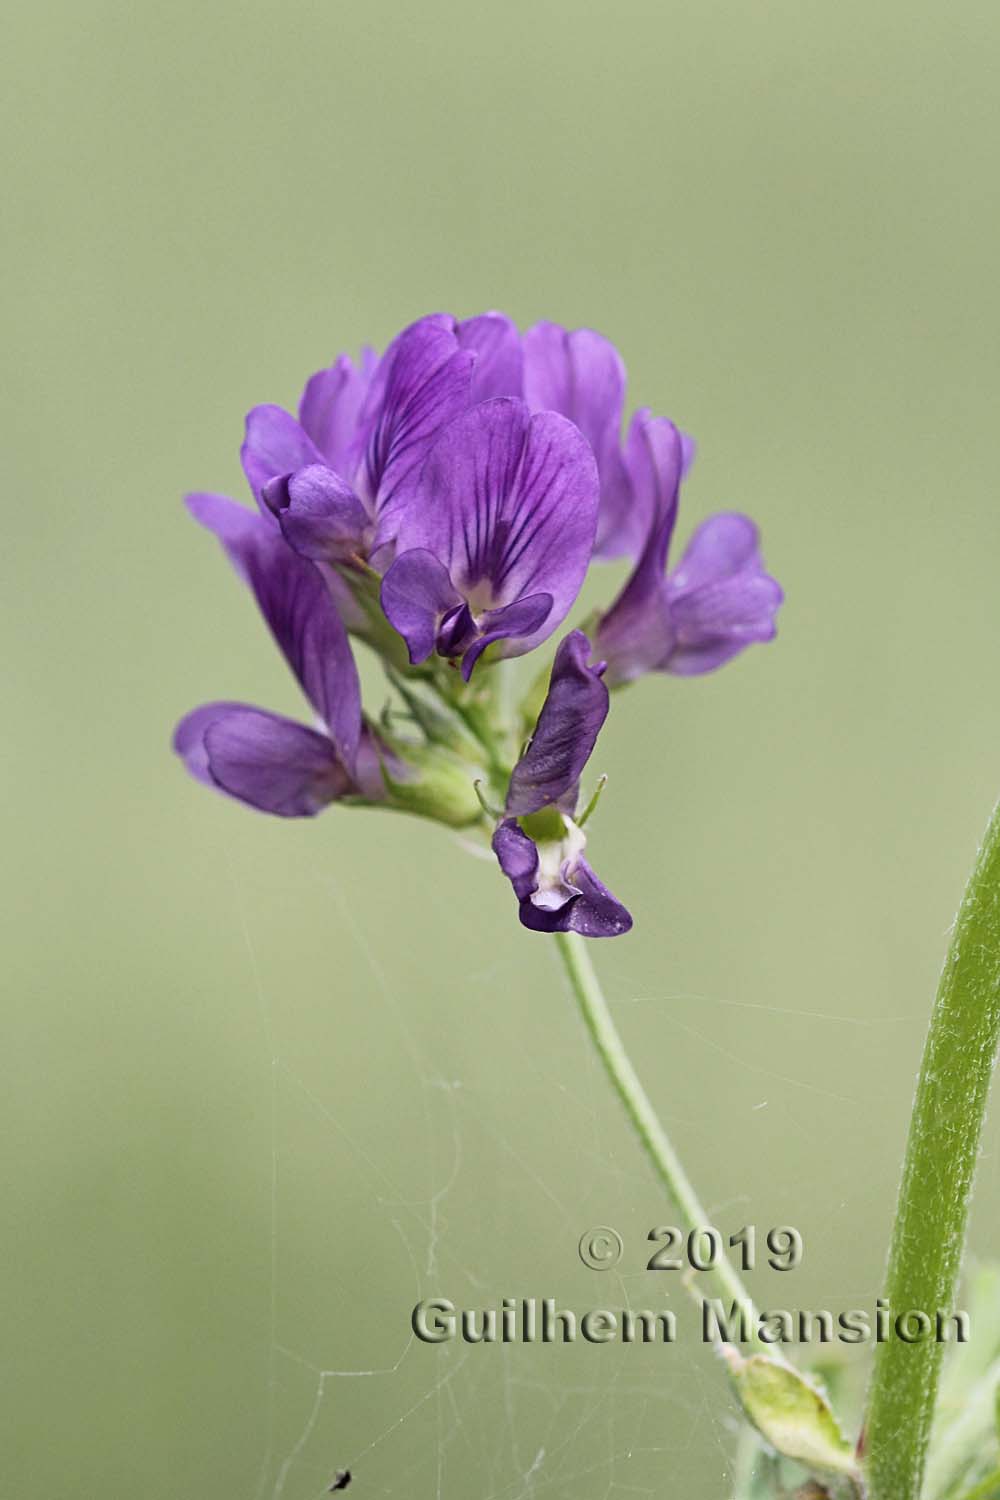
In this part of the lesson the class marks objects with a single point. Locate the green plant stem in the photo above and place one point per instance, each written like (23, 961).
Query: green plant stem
(928, 1236)
(611, 1050)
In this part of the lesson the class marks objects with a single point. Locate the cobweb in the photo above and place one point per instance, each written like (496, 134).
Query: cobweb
(475, 1190)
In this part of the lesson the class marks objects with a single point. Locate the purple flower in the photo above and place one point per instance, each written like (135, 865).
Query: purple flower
(496, 547)
(270, 762)
(717, 601)
(338, 477)
(446, 500)
(538, 843)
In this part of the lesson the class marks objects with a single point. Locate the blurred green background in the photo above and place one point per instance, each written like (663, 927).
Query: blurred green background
(267, 1083)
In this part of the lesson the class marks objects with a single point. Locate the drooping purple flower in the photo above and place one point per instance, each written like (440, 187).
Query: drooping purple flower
(337, 478)
(261, 758)
(274, 764)
(538, 844)
(496, 549)
(717, 601)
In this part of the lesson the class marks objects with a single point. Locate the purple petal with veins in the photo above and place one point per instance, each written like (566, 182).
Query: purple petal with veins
(297, 606)
(417, 593)
(509, 506)
(517, 621)
(422, 381)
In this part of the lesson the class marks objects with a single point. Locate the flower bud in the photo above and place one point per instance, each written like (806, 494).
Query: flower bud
(432, 784)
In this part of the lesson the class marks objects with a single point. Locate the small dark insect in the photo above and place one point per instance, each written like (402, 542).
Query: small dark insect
(341, 1481)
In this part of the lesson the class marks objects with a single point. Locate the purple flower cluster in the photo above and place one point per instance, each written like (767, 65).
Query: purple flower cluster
(443, 504)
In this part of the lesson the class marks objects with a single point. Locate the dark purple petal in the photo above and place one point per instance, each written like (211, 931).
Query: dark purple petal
(457, 631)
(422, 382)
(330, 408)
(588, 908)
(509, 505)
(496, 344)
(416, 593)
(522, 619)
(297, 606)
(575, 707)
(272, 763)
(319, 514)
(274, 444)
(719, 597)
(636, 634)
(594, 913)
(518, 858)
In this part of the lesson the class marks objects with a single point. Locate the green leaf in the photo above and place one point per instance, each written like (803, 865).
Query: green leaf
(794, 1417)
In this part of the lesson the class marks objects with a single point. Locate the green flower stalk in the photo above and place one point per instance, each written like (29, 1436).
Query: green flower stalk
(791, 1414)
(643, 1117)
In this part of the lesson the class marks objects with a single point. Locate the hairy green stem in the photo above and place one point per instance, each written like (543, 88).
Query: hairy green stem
(928, 1236)
(611, 1050)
